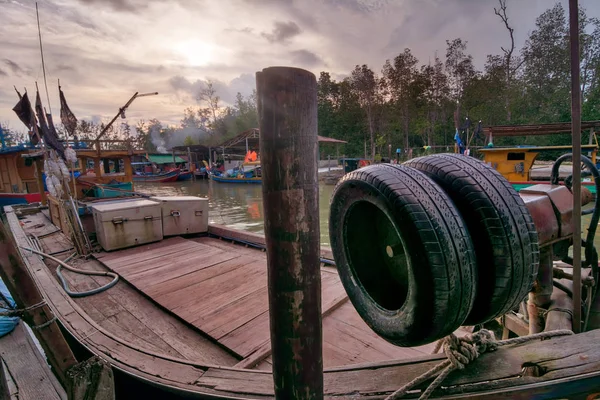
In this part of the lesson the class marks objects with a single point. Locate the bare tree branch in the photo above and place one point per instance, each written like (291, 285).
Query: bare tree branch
(507, 53)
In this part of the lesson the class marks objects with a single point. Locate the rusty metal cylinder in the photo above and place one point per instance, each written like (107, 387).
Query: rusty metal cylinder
(287, 108)
(540, 296)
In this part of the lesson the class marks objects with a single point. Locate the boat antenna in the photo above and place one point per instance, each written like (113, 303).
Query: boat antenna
(42, 53)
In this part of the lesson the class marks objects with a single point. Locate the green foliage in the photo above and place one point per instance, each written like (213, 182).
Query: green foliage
(188, 141)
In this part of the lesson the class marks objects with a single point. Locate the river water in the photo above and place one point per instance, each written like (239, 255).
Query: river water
(235, 205)
(239, 206)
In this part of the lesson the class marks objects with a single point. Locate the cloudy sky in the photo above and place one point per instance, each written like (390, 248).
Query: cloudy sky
(105, 50)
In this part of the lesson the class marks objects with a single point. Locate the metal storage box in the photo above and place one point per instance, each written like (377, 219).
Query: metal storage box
(183, 214)
(127, 223)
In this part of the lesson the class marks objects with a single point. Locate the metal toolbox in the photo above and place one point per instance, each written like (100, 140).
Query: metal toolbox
(183, 214)
(127, 223)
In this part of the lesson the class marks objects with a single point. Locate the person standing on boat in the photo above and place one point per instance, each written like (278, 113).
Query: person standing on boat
(459, 143)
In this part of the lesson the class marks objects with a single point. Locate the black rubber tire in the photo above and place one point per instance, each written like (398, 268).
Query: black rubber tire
(502, 229)
(407, 297)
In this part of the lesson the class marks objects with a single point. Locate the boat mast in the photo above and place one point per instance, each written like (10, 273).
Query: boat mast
(42, 53)
(576, 141)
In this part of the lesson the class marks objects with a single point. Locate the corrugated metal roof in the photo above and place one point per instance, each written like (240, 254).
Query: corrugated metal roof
(164, 159)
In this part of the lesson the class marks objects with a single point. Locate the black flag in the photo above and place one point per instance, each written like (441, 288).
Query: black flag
(67, 118)
(50, 136)
(25, 113)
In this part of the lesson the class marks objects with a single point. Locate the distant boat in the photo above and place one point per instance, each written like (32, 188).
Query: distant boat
(224, 179)
(7, 199)
(170, 176)
(185, 176)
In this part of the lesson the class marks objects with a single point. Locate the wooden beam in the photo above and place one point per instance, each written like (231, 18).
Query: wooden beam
(287, 109)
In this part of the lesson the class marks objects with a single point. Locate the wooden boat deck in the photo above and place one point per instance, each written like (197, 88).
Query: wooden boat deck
(125, 312)
(221, 289)
(141, 339)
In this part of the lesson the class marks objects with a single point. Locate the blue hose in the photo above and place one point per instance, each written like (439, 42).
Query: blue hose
(63, 281)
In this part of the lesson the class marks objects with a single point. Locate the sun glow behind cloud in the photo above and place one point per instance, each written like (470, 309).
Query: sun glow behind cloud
(197, 53)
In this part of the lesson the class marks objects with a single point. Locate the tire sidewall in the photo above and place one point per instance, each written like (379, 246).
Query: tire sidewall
(398, 325)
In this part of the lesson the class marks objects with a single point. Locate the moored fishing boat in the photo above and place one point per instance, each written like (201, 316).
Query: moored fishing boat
(228, 179)
(170, 176)
(516, 163)
(185, 176)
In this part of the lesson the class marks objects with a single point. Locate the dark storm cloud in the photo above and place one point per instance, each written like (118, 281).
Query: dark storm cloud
(282, 32)
(306, 58)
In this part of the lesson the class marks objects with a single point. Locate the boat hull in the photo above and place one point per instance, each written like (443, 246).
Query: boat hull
(185, 176)
(143, 372)
(7, 199)
(223, 179)
(171, 176)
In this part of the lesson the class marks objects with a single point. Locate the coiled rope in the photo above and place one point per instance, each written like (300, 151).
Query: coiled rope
(461, 351)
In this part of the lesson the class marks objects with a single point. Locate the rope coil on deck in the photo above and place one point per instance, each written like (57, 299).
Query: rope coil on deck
(461, 351)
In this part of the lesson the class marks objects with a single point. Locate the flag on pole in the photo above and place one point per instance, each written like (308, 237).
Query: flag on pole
(49, 134)
(25, 113)
(67, 117)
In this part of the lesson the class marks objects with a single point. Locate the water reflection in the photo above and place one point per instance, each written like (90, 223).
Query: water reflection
(237, 206)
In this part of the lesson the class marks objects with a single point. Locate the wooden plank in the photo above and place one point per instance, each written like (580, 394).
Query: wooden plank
(331, 301)
(132, 251)
(219, 322)
(29, 371)
(134, 261)
(8, 387)
(177, 334)
(254, 238)
(196, 277)
(181, 267)
(222, 290)
(248, 337)
(228, 246)
(190, 298)
(360, 345)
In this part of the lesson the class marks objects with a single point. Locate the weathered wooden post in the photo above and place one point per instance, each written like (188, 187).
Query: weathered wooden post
(287, 108)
